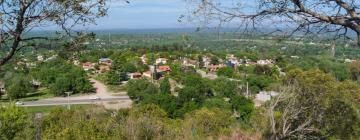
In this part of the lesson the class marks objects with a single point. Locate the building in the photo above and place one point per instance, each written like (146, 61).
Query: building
(161, 61)
(143, 59)
(164, 69)
(105, 61)
(2, 87)
(135, 75)
(103, 68)
(40, 58)
(147, 74)
(215, 68)
(88, 66)
(264, 96)
(53, 57)
(349, 61)
(76, 62)
(295, 57)
(265, 62)
(206, 60)
(190, 63)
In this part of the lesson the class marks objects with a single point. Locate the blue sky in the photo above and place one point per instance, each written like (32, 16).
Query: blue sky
(141, 14)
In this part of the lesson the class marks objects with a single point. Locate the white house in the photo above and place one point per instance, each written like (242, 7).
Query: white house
(40, 58)
(189, 63)
(161, 61)
(2, 87)
(264, 96)
(265, 62)
(349, 61)
(143, 59)
(206, 61)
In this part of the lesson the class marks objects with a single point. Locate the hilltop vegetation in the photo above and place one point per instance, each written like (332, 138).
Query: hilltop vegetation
(196, 94)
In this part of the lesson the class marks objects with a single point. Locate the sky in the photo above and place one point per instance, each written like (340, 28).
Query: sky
(143, 14)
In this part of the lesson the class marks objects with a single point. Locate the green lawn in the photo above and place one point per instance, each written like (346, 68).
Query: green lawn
(40, 94)
(47, 109)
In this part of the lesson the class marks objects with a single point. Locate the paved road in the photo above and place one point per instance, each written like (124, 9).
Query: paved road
(101, 91)
(73, 101)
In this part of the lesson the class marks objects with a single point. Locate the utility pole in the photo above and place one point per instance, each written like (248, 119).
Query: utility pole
(68, 95)
(109, 40)
(333, 49)
(247, 89)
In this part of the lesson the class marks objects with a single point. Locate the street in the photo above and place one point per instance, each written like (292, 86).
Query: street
(108, 99)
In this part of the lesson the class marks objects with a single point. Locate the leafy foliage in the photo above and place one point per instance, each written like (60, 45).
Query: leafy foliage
(13, 120)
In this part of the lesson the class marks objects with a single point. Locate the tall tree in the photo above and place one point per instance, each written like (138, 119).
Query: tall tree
(18, 17)
(13, 120)
(165, 87)
(311, 17)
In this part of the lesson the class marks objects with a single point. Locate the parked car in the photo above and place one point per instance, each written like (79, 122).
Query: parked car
(95, 98)
(19, 103)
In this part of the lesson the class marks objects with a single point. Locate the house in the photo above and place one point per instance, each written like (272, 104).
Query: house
(88, 66)
(349, 61)
(164, 69)
(103, 68)
(135, 75)
(295, 57)
(264, 96)
(214, 68)
(161, 61)
(265, 62)
(147, 74)
(232, 61)
(76, 62)
(230, 56)
(248, 62)
(40, 58)
(2, 87)
(31, 65)
(190, 63)
(105, 61)
(143, 59)
(206, 60)
(51, 58)
(36, 83)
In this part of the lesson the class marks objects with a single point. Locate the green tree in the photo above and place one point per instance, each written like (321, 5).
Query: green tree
(166, 101)
(258, 83)
(61, 86)
(18, 86)
(146, 122)
(263, 70)
(64, 14)
(224, 87)
(214, 60)
(139, 88)
(13, 120)
(59, 76)
(112, 78)
(217, 103)
(243, 106)
(354, 68)
(165, 87)
(205, 122)
(226, 71)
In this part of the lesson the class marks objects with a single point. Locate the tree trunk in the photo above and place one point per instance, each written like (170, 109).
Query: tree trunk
(358, 38)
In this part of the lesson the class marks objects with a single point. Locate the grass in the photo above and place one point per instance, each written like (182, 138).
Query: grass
(116, 88)
(40, 94)
(48, 109)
